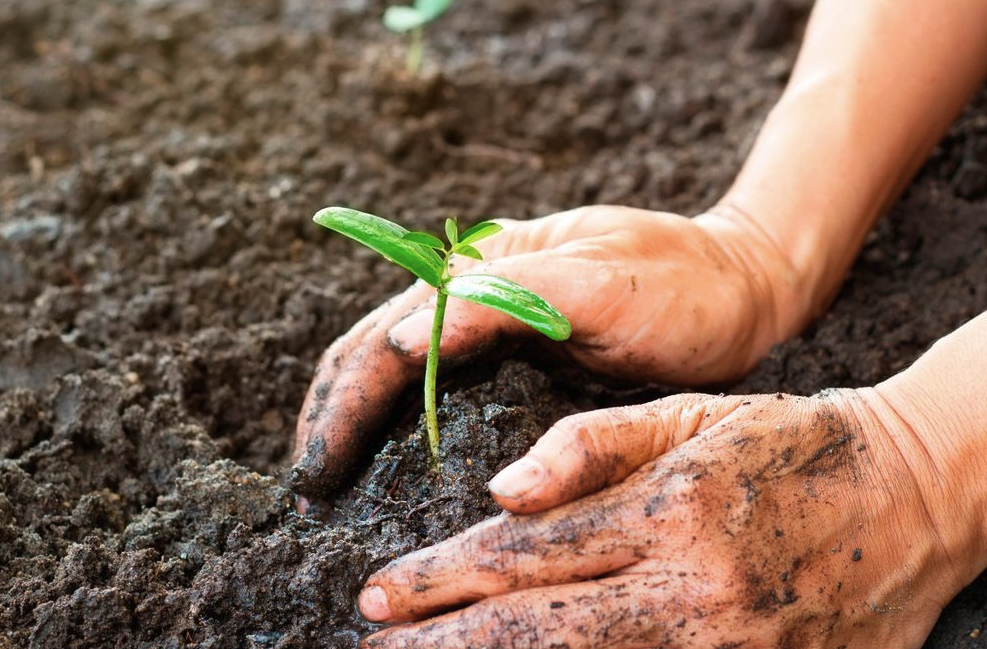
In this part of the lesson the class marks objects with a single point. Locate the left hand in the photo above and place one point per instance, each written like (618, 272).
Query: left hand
(650, 295)
(788, 522)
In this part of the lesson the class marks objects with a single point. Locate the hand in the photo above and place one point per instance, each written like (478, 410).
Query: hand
(651, 296)
(785, 522)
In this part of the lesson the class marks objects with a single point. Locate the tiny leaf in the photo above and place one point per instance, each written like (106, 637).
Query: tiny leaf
(402, 18)
(514, 300)
(467, 250)
(432, 9)
(452, 231)
(386, 238)
(481, 230)
(425, 239)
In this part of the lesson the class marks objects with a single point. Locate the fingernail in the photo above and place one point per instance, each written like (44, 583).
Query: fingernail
(373, 604)
(301, 504)
(411, 335)
(518, 478)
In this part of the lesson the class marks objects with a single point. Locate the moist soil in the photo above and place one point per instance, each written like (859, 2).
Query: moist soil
(164, 295)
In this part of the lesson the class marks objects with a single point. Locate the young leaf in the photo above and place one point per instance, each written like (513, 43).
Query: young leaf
(432, 9)
(467, 250)
(425, 239)
(401, 18)
(452, 231)
(386, 238)
(481, 230)
(514, 300)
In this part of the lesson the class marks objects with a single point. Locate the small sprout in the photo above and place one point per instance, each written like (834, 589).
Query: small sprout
(412, 19)
(427, 257)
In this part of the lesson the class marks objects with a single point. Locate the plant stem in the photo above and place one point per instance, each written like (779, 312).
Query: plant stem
(431, 371)
(415, 47)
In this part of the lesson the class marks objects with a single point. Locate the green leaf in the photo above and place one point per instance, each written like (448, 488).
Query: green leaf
(481, 230)
(425, 239)
(452, 231)
(514, 300)
(467, 250)
(386, 238)
(432, 9)
(402, 18)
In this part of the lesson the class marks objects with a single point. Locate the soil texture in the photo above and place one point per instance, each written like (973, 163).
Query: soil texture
(164, 295)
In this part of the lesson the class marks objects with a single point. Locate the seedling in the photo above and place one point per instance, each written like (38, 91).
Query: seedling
(411, 20)
(427, 257)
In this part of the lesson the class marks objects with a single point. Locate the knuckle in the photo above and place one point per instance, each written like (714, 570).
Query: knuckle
(508, 624)
(596, 441)
(585, 212)
(493, 549)
(688, 419)
(613, 426)
(579, 436)
(586, 443)
(340, 347)
(562, 435)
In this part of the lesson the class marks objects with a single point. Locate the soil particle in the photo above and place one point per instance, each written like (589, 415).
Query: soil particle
(769, 600)
(836, 455)
(826, 459)
(655, 505)
(751, 492)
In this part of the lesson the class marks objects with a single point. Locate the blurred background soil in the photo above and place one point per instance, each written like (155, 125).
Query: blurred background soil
(164, 295)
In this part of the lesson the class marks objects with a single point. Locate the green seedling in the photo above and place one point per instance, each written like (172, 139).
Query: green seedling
(427, 257)
(411, 20)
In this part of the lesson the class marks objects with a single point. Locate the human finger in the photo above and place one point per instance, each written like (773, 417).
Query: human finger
(506, 553)
(618, 612)
(583, 453)
(350, 395)
(326, 369)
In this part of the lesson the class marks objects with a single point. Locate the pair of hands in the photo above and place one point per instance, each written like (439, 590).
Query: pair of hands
(773, 525)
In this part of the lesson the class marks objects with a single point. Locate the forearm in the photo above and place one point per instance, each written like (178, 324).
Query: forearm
(875, 86)
(941, 399)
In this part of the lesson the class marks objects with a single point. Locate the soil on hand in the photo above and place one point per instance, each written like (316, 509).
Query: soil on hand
(164, 295)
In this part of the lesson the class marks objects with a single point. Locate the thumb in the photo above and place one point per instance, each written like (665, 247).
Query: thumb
(563, 281)
(584, 453)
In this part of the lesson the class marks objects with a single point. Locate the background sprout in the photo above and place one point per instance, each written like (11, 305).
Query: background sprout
(412, 19)
(427, 257)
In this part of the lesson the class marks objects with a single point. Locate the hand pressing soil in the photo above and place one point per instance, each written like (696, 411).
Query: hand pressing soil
(774, 526)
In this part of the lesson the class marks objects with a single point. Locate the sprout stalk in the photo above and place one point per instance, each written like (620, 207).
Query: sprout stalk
(415, 47)
(431, 371)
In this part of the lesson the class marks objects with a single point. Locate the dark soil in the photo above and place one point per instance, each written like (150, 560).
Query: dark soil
(164, 296)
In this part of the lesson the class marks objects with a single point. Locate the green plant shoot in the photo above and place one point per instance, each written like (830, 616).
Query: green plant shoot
(412, 19)
(427, 257)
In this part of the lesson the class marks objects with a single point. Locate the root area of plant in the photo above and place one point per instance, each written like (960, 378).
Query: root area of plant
(164, 295)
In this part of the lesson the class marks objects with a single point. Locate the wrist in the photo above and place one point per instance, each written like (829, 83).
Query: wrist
(943, 425)
(784, 284)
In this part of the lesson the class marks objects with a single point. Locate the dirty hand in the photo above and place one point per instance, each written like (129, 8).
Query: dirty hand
(828, 521)
(650, 296)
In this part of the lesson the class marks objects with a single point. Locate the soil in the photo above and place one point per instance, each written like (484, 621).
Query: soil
(164, 295)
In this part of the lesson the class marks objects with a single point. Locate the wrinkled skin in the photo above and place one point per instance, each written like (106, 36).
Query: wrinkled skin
(783, 522)
(717, 282)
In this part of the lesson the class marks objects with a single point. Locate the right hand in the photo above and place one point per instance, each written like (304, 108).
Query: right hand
(650, 295)
(810, 522)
